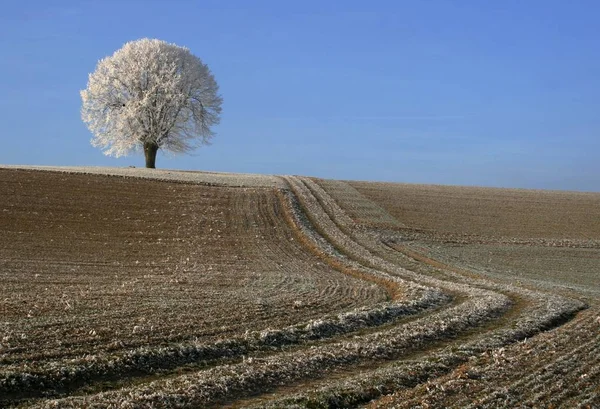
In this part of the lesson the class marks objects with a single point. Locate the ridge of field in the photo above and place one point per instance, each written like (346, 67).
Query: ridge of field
(421, 320)
(186, 176)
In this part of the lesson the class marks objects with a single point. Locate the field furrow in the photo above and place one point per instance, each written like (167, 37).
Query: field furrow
(190, 289)
(65, 320)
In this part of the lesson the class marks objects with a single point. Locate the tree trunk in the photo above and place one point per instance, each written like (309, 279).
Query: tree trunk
(150, 149)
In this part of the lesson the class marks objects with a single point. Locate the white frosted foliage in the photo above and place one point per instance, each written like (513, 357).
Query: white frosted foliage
(150, 92)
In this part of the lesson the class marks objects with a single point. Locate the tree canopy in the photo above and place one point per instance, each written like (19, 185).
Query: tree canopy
(150, 95)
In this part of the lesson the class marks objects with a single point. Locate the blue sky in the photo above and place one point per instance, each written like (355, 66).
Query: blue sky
(502, 93)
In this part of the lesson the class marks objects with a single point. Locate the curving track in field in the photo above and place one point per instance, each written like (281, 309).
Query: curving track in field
(333, 343)
(531, 312)
(106, 277)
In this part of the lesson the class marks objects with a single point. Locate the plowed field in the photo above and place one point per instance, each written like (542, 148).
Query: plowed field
(189, 289)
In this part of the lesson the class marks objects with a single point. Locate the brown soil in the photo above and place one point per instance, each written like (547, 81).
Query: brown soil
(558, 369)
(537, 239)
(95, 263)
(570, 268)
(96, 269)
(515, 213)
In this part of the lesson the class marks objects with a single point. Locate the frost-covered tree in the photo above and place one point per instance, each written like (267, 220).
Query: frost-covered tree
(150, 95)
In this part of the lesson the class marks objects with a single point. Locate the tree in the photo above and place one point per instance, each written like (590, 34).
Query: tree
(150, 95)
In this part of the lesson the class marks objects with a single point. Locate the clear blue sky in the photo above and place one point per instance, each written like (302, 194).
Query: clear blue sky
(493, 93)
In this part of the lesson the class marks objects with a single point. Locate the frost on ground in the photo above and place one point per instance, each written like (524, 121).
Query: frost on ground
(206, 178)
(265, 291)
